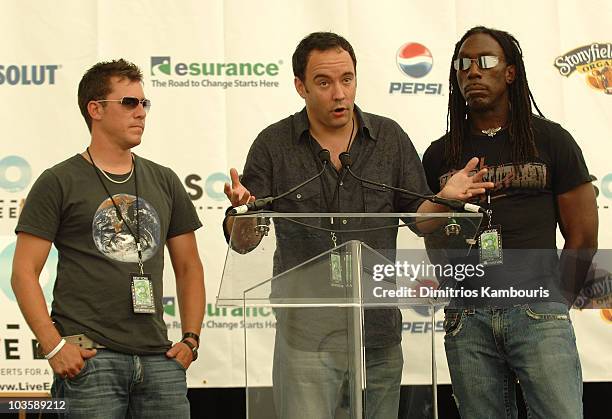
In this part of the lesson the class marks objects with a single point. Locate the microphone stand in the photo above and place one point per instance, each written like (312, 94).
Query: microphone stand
(262, 203)
(455, 204)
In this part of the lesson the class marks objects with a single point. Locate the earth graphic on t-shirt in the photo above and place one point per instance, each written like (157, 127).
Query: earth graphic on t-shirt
(113, 237)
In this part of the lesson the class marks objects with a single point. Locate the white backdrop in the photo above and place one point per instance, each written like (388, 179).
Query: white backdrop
(200, 126)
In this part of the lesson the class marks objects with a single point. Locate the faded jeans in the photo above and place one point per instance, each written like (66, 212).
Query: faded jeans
(116, 385)
(489, 349)
(312, 385)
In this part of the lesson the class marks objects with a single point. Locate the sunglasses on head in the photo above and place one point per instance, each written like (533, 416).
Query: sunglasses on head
(484, 62)
(130, 102)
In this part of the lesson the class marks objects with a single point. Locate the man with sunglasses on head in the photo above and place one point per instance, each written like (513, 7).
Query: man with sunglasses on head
(540, 179)
(110, 213)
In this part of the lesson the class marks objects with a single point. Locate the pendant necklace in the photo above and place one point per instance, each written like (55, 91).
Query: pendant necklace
(491, 131)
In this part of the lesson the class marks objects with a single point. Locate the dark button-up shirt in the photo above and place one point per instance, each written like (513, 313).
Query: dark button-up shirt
(284, 155)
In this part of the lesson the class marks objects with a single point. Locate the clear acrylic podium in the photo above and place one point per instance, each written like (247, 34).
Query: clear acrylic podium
(335, 284)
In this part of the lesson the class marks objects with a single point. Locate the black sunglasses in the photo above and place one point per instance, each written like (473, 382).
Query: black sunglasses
(484, 62)
(130, 102)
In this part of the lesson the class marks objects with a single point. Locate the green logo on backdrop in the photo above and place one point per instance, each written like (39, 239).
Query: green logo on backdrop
(169, 306)
(163, 65)
(160, 65)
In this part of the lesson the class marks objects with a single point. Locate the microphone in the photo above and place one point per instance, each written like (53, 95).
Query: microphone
(455, 204)
(262, 203)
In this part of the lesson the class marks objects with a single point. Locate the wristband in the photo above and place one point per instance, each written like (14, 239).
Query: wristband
(192, 336)
(193, 348)
(55, 350)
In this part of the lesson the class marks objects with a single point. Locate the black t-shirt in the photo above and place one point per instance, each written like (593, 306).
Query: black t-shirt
(68, 206)
(523, 200)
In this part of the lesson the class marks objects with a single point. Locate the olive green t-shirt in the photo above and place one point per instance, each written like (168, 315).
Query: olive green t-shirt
(92, 294)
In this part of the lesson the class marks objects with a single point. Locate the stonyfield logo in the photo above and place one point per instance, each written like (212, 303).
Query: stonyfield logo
(225, 75)
(594, 61)
(597, 291)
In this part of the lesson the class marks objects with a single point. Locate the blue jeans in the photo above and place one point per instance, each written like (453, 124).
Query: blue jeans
(312, 385)
(489, 349)
(116, 385)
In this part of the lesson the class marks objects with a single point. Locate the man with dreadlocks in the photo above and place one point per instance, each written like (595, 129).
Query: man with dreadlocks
(540, 178)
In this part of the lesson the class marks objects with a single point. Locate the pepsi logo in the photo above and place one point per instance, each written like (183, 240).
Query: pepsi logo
(414, 59)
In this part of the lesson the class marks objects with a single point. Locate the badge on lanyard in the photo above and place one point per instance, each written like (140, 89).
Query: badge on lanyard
(335, 269)
(140, 283)
(335, 264)
(490, 243)
(142, 293)
(340, 275)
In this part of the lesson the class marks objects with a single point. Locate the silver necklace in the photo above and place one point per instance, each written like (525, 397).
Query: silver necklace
(119, 182)
(491, 131)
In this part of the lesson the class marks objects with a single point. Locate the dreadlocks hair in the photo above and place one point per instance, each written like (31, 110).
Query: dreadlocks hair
(520, 127)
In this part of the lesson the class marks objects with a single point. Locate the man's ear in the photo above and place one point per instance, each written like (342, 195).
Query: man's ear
(300, 87)
(510, 74)
(95, 110)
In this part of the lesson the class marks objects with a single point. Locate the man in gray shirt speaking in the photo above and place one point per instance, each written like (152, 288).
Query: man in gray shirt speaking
(309, 368)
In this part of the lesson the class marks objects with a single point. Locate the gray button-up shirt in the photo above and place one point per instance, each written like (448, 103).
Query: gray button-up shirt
(284, 155)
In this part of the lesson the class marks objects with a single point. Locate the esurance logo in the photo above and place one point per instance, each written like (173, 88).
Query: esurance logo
(169, 306)
(160, 65)
(594, 61)
(25, 75)
(164, 65)
(213, 74)
(414, 60)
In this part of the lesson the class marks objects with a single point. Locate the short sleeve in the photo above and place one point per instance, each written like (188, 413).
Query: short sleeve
(41, 213)
(569, 168)
(183, 218)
